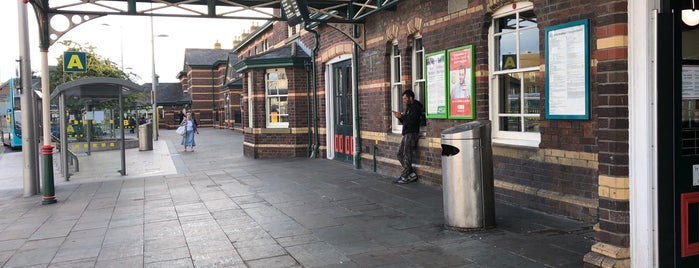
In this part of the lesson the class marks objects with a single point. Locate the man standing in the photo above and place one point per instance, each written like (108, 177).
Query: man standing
(411, 133)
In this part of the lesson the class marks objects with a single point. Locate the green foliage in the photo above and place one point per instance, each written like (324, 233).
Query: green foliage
(97, 66)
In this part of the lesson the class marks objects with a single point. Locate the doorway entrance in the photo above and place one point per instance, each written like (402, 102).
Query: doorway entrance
(343, 141)
(678, 138)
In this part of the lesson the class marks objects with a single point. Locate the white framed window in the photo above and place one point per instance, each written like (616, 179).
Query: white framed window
(514, 60)
(276, 98)
(418, 72)
(293, 30)
(396, 87)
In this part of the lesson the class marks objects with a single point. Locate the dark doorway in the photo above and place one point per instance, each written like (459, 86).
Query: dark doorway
(342, 112)
(678, 138)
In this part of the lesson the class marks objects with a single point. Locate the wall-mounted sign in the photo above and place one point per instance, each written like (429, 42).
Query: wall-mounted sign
(461, 83)
(436, 83)
(296, 11)
(568, 71)
(75, 62)
(509, 61)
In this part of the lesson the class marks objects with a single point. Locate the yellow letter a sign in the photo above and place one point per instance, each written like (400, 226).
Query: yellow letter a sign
(74, 61)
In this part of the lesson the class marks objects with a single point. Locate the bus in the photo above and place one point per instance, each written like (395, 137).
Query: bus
(11, 111)
(10, 114)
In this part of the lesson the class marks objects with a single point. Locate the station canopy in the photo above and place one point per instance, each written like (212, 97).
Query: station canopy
(335, 11)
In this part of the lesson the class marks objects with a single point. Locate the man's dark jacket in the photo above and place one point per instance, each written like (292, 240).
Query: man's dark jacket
(411, 118)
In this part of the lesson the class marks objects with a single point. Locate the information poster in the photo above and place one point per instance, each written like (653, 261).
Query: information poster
(436, 65)
(690, 82)
(461, 83)
(568, 71)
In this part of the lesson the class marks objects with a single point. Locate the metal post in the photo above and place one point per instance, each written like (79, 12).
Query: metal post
(88, 129)
(64, 136)
(29, 165)
(123, 142)
(155, 78)
(47, 149)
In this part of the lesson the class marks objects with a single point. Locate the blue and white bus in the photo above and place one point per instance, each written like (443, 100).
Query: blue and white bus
(10, 114)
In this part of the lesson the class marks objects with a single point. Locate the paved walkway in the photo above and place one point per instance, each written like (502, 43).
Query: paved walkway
(216, 208)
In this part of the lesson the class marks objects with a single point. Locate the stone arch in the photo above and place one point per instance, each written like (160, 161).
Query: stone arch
(336, 50)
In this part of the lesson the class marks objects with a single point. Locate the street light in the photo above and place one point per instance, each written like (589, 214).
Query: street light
(154, 80)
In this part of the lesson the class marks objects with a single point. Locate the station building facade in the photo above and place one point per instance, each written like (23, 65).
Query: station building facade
(327, 90)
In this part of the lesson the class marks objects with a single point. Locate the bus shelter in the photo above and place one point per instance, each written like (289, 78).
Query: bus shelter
(92, 91)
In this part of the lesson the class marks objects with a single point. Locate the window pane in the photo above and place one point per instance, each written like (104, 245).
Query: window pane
(398, 90)
(510, 97)
(506, 51)
(510, 123)
(532, 93)
(529, 47)
(278, 109)
(419, 90)
(418, 66)
(396, 69)
(506, 24)
(527, 18)
(531, 124)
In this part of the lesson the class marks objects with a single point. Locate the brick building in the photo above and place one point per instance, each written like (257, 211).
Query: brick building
(213, 87)
(569, 147)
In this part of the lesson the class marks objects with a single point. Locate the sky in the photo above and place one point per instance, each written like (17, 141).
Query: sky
(116, 35)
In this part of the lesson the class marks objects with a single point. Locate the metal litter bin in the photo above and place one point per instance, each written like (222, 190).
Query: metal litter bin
(145, 137)
(467, 176)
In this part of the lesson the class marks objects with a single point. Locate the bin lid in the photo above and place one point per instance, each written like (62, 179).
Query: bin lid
(465, 131)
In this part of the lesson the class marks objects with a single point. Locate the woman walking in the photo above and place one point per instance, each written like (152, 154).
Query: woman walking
(191, 126)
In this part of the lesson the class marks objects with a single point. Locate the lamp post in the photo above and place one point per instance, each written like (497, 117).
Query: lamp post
(154, 82)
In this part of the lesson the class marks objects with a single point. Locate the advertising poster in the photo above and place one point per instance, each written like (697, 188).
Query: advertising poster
(461, 83)
(436, 64)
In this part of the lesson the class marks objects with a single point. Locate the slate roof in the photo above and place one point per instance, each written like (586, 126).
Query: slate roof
(282, 52)
(289, 55)
(205, 57)
(168, 93)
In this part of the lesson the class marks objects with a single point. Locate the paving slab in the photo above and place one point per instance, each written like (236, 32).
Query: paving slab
(216, 208)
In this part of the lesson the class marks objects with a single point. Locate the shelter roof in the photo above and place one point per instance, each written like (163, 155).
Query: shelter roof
(96, 90)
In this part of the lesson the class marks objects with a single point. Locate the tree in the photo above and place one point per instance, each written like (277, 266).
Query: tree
(97, 66)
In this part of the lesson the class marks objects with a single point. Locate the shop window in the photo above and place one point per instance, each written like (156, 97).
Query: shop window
(396, 87)
(276, 98)
(514, 64)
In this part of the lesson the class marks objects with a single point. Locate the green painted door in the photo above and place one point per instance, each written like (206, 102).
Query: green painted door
(342, 111)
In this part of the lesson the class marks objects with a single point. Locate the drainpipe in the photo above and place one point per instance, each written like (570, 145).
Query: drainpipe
(314, 154)
(357, 118)
(308, 102)
(213, 98)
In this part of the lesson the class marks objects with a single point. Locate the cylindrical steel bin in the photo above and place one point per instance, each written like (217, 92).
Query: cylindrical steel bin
(145, 137)
(467, 176)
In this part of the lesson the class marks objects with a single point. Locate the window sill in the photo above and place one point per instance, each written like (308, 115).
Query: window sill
(517, 143)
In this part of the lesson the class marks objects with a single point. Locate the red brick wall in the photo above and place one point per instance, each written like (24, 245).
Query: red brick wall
(472, 28)
(205, 86)
(263, 142)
